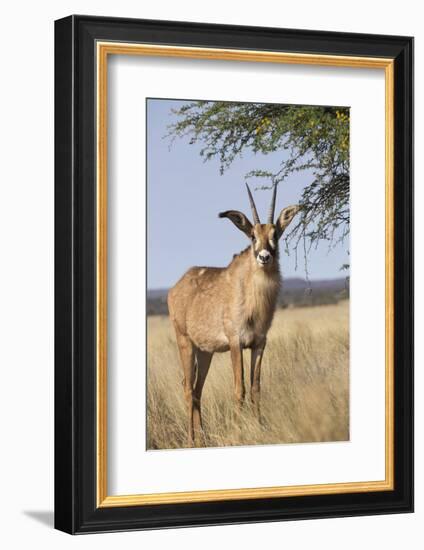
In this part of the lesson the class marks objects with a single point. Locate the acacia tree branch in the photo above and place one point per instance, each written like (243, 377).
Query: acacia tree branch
(312, 138)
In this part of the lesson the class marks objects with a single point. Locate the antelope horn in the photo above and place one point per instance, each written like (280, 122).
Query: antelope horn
(272, 205)
(252, 206)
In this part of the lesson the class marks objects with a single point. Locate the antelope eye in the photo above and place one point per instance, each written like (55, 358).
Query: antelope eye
(253, 239)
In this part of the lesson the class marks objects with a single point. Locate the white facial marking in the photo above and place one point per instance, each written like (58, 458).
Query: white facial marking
(263, 257)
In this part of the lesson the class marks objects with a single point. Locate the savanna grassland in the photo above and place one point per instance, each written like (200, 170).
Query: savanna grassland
(304, 384)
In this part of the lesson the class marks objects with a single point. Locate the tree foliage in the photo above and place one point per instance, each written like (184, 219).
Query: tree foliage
(309, 138)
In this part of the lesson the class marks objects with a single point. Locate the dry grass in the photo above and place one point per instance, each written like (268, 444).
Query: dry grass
(305, 384)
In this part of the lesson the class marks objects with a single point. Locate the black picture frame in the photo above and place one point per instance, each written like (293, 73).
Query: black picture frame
(76, 510)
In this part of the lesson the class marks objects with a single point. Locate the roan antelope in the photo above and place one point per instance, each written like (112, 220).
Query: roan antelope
(229, 309)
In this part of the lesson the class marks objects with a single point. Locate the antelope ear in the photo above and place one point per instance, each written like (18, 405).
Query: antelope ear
(239, 220)
(285, 217)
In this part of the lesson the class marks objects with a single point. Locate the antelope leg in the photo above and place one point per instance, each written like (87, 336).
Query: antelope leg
(203, 361)
(186, 350)
(255, 377)
(237, 363)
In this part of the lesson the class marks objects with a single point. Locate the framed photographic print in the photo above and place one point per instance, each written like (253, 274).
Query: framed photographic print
(233, 265)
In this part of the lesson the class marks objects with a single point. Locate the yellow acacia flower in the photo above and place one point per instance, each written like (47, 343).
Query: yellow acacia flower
(263, 125)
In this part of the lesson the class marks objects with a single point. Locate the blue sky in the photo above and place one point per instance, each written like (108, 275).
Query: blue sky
(185, 195)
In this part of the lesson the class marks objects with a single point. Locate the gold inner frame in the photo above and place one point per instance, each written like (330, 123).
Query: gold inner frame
(104, 49)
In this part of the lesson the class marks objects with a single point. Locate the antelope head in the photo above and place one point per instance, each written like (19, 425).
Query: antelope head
(264, 237)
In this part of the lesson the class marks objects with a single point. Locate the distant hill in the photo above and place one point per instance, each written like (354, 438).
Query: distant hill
(296, 292)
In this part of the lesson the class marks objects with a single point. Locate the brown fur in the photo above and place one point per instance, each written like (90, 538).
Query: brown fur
(227, 309)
